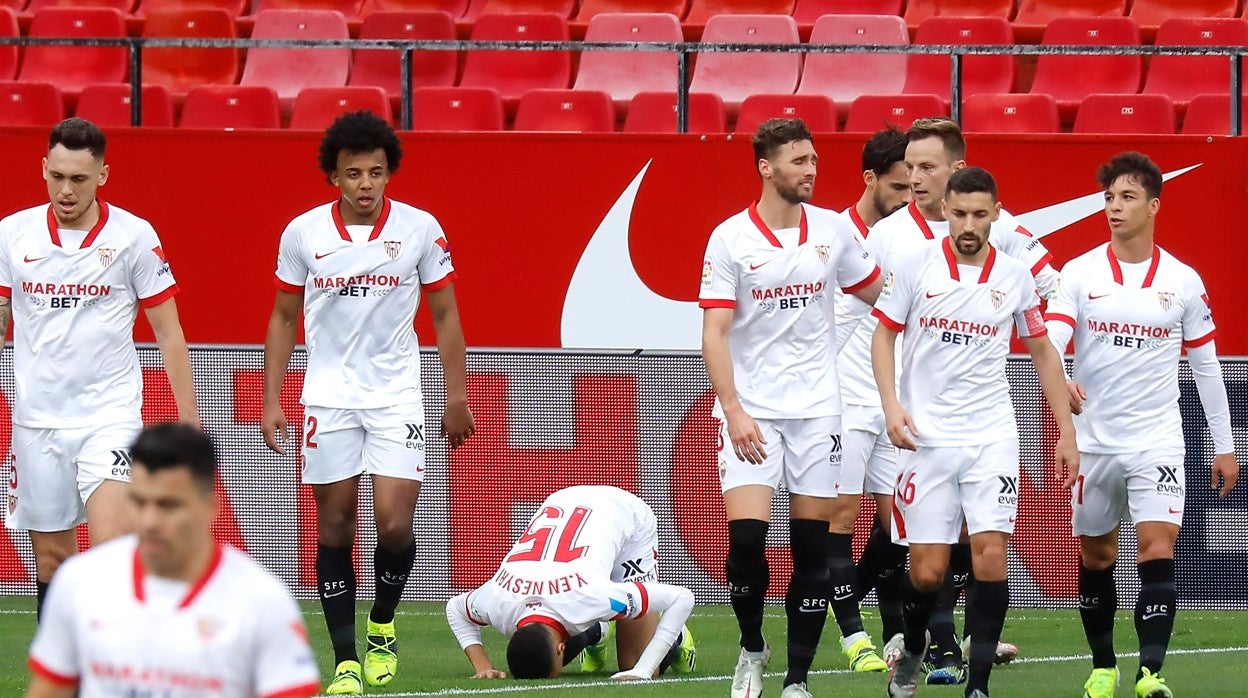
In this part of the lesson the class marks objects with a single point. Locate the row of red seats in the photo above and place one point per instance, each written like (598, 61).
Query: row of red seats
(589, 111)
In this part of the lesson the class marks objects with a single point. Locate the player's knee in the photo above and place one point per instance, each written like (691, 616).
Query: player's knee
(394, 534)
(926, 578)
(532, 653)
(844, 514)
(1097, 553)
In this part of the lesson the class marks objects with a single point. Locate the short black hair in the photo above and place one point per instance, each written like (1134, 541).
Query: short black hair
(177, 445)
(78, 134)
(359, 132)
(531, 652)
(773, 133)
(885, 149)
(971, 180)
(1131, 164)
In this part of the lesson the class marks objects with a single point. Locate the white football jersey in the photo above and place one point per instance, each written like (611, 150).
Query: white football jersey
(75, 295)
(361, 286)
(955, 322)
(114, 630)
(783, 327)
(1131, 322)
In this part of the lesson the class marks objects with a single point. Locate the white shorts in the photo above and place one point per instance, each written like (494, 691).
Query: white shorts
(638, 559)
(53, 472)
(940, 486)
(1149, 485)
(868, 458)
(803, 455)
(339, 444)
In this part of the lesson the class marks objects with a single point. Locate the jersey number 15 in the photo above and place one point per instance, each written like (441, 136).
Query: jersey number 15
(551, 522)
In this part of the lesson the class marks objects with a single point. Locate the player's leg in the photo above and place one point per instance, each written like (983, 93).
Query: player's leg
(944, 661)
(103, 465)
(883, 562)
(1098, 502)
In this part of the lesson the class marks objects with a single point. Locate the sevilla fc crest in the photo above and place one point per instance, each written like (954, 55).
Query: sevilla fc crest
(106, 255)
(1165, 298)
(824, 252)
(392, 248)
(998, 299)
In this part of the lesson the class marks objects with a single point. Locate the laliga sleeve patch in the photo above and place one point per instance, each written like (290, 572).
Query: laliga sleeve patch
(708, 272)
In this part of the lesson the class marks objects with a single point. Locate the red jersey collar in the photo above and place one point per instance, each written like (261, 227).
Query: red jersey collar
(858, 222)
(771, 237)
(544, 620)
(952, 260)
(1116, 267)
(140, 574)
(342, 228)
(54, 228)
(919, 220)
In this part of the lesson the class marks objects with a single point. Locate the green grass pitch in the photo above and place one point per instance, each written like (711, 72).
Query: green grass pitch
(1207, 657)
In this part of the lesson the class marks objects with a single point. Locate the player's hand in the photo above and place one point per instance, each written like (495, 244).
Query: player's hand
(273, 426)
(1077, 396)
(457, 423)
(901, 429)
(628, 676)
(1226, 468)
(746, 437)
(1066, 460)
(490, 674)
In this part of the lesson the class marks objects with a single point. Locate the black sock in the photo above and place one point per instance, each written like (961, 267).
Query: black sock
(746, 569)
(672, 655)
(577, 643)
(916, 610)
(990, 600)
(842, 576)
(1098, 601)
(1154, 613)
(891, 567)
(335, 578)
(871, 562)
(944, 633)
(41, 593)
(806, 603)
(390, 570)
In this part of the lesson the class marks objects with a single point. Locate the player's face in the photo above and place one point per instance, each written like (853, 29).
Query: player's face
(891, 190)
(362, 179)
(970, 217)
(929, 166)
(1128, 207)
(72, 176)
(172, 516)
(791, 171)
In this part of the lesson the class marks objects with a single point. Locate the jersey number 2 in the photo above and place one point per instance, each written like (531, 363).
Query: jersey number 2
(547, 524)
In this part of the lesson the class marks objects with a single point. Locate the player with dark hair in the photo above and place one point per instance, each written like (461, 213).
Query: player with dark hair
(355, 268)
(73, 274)
(1132, 308)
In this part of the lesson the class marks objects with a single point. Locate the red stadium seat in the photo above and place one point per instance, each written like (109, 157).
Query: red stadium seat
(592, 8)
(454, 8)
(348, 8)
(180, 69)
(1106, 113)
(234, 8)
(623, 74)
(1211, 115)
(478, 8)
(380, 68)
(655, 112)
(109, 105)
(513, 73)
(122, 6)
(1150, 14)
(8, 54)
(701, 11)
(14, 5)
(457, 109)
(30, 104)
(870, 113)
(231, 107)
(1071, 78)
(735, 76)
(72, 68)
(846, 76)
(929, 73)
(919, 10)
(289, 70)
(317, 107)
(1010, 113)
(818, 111)
(808, 12)
(577, 111)
(1034, 15)
(1182, 77)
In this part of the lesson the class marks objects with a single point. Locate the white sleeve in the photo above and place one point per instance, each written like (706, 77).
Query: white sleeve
(1198, 326)
(676, 603)
(54, 652)
(855, 267)
(283, 663)
(1207, 372)
(435, 268)
(893, 305)
(1063, 311)
(850, 310)
(150, 272)
(719, 275)
(1027, 317)
(292, 264)
(467, 630)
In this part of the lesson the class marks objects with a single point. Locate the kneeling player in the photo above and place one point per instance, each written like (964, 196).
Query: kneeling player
(587, 557)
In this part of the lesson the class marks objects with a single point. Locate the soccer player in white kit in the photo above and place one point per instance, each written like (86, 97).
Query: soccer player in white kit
(768, 341)
(956, 301)
(355, 268)
(1132, 308)
(73, 274)
(589, 556)
(169, 611)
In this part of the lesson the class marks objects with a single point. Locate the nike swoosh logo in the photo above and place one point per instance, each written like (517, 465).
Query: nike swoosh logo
(337, 593)
(1050, 219)
(1094, 297)
(28, 259)
(843, 598)
(813, 610)
(754, 267)
(321, 255)
(1150, 616)
(933, 295)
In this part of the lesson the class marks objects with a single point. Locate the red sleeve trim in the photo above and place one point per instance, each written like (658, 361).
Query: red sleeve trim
(6, 292)
(289, 288)
(645, 599)
(59, 679)
(153, 301)
(875, 274)
(1193, 343)
(1039, 266)
(888, 321)
(439, 284)
(307, 689)
(717, 303)
(1058, 317)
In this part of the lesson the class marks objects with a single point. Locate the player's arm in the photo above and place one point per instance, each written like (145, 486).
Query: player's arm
(6, 314)
(1053, 381)
(163, 317)
(1059, 321)
(457, 422)
(468, 633)
(747, 438)
(41, 687)
(675, 603)
(1207, 372)
(279, 344)
(900, 427)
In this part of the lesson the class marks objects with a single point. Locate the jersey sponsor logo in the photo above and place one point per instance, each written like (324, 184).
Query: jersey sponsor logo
(1168, 480)
(1008, 494)
(1128, 334)
(392, 248)
(960, 332)
(148, 680)
(356, 286)
(121, 463)
(106, 256)
(415, 436)
(790, 296)
(446, 249)
(631, 568)
(1165, 299)
(538, 587)
(31, 260)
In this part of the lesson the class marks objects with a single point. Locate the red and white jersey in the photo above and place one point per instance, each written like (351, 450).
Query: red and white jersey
(779, 284)
(75, 295)
(114, 630)
(956, 321)
(360, 286)
(1131, 322)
